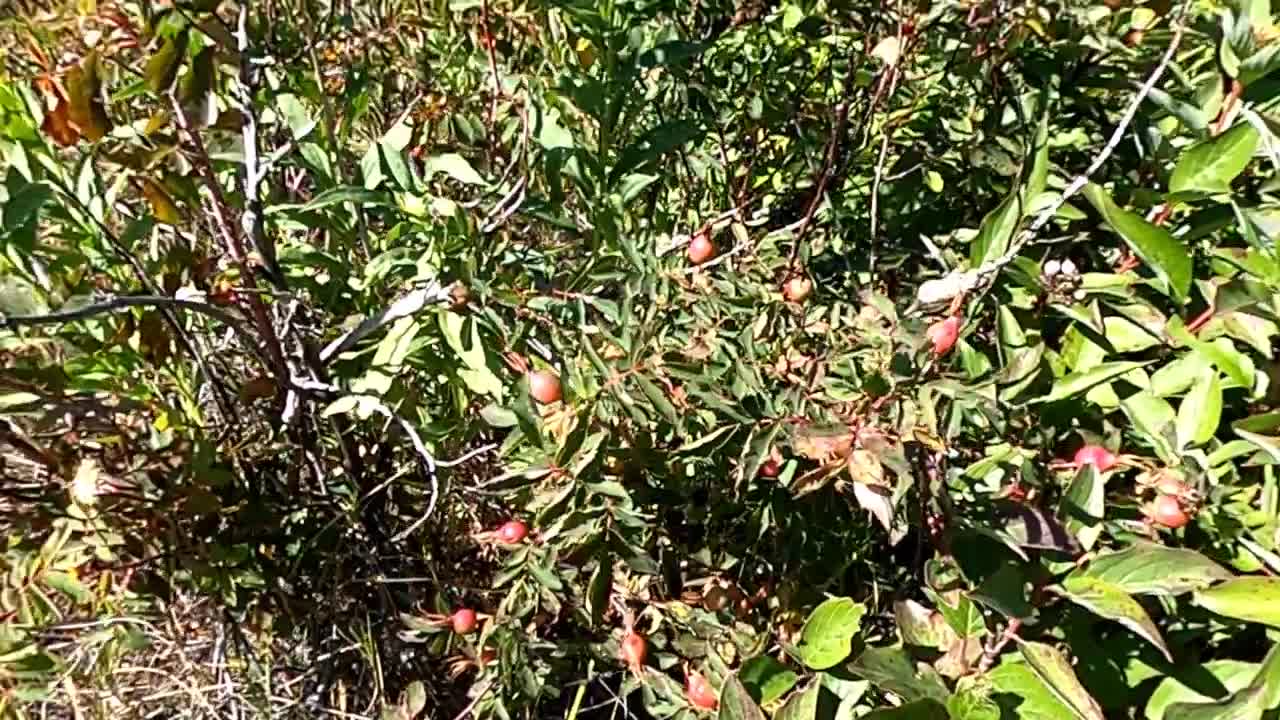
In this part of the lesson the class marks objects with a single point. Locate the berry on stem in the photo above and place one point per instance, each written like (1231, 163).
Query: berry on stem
(633, 650)
(1167, 511)
(701, 249)
(512, 532)
(1099, 457)
(943, 335)
(699, 692)
(463, 621)
(544, 386)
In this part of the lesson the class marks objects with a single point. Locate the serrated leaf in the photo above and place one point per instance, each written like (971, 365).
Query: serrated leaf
(826, 635)
(1252, 599)
(1163, 253)
(1110, 602)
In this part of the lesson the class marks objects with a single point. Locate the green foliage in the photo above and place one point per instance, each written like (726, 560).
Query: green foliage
(300, 304)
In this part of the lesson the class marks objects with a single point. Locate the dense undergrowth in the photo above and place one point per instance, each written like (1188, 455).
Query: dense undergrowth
(639, 359)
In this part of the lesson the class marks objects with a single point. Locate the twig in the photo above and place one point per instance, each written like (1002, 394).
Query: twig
(993, 650)
(489, 42)
(112, 304)
(828, 166)
(234, 244)
(252, 217)
(428, 461)
(875, 196)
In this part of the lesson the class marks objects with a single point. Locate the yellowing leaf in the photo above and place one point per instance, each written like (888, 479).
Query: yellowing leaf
(84, 90)
(162, 206)
(162, 68)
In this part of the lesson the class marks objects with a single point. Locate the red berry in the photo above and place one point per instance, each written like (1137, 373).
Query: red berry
(699, 692)
(633, 650)
(544, 386)
(797, 289)
(701, 249)
(770, 468)
(512, 532)
(1167, 511)
(464, 620)
(1101, 458)
(943, 334)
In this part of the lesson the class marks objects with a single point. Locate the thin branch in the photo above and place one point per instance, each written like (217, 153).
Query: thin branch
(234, 243)
(993, 650)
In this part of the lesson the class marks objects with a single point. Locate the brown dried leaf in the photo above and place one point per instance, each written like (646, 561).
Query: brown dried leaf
(57, 124)
(823, 445)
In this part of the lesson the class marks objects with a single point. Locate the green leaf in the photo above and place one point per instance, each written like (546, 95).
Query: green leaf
(162, 68)
(455, 166)
(598, 589)
(1147, 568)
(893, 670)
(1200, 411)
(766, 678)
(1156, 246)
(24, 204)
(1077, 383)
(1153, 418)
(1231, 675)
(1252, 599)
(68, 585)
(802, 705)
(1210, 165)
(825, 638)
(996, 231)
(659, 399)
(1054, 669)
(736, 702)
(972, 700)
(1032, 698)
(339, 195)
(1083, 506)
(1109, 601)
(1261, 694)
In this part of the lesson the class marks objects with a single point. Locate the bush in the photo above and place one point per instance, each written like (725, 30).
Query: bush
(642, 359)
